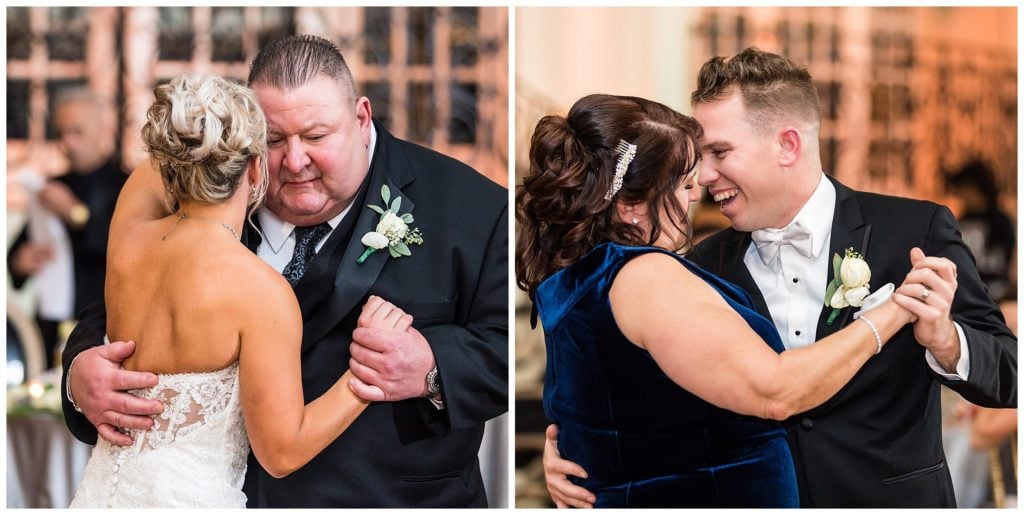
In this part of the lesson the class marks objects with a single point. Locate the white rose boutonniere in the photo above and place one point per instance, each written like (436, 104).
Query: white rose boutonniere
(849, 285)
(393, 231)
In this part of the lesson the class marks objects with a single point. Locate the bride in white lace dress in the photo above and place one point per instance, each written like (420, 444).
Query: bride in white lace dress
(219, 327)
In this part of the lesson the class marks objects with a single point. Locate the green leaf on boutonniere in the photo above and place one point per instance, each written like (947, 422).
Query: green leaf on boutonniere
(831, 290)
(402, 249)
(385, 193)
(837, 265)
(396, 204)
(407, 218)
(376, 209)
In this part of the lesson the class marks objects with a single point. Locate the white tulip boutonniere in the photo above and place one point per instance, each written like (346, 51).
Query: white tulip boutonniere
(849, 285)
(392, 230)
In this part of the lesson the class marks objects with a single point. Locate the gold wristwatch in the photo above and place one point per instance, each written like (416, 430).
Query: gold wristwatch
(79, 215)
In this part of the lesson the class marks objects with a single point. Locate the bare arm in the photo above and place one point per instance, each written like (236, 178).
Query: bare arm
(142, 199)
(707, 348)
(284, 432)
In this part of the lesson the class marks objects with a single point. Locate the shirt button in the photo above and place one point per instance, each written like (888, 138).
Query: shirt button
(797, 333)
(795, 280)
(807, 424)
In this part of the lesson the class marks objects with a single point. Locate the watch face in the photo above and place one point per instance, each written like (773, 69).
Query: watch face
(433, 383)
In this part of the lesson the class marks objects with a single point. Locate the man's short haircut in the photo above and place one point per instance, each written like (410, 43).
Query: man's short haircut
(295, 60)
(773, 88)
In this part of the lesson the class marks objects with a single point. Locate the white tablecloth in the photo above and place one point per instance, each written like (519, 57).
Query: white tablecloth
(44, 462)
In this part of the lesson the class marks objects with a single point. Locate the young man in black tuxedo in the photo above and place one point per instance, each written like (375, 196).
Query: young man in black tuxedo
(878, 442)
(436, 384)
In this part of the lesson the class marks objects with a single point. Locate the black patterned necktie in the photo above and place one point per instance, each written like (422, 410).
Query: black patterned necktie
(306, 239)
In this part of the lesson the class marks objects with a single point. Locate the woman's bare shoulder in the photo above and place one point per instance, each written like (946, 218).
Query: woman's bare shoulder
(254, 277)
(656, 282)
(655, 268)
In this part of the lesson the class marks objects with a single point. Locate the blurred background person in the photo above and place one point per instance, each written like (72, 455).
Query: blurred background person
(987, 229)
(83, 200)
(991, 435)
(978, 439)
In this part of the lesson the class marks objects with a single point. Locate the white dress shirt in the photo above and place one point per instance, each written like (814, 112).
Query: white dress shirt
(278, 244)
(794, 286)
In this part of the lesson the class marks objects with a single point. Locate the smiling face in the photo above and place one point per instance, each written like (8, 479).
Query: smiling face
(317, 139)
(740, 167)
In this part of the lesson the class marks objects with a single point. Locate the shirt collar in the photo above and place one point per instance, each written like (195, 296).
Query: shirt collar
(818, 213)
(276, 231)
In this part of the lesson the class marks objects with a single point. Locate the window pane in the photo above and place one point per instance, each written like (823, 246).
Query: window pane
(377, 30)
(462, 122)
(19, 35)
(176, 35)
(465, 34)
(226, 33)
(421, 111)
(17, 108)
(421, 35)
(66, 39)
(379, 94)
(278, 22)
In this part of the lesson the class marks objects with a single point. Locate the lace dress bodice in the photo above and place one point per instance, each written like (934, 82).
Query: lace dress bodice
(195, 455)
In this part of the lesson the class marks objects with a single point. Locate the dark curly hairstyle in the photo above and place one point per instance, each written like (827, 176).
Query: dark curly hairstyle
(561, 212)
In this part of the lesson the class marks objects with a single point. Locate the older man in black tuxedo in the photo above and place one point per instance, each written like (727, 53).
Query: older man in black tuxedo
(878, 442)
(437, 384)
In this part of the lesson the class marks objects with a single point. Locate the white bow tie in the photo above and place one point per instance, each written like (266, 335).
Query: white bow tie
(769, 241)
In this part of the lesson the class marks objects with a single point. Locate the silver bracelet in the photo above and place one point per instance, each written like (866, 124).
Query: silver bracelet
(67, 387)
(874, 330)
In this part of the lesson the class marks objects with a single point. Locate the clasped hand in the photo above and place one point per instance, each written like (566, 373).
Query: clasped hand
(388, 364)
(927, 292)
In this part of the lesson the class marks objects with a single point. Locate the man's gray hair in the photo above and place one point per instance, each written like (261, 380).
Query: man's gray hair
(81, 94)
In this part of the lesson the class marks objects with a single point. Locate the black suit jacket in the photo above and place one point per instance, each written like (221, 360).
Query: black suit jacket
(878, 442)
(455, 285)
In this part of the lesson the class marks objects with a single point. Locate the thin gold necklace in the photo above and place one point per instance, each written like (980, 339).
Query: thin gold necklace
(182, 216)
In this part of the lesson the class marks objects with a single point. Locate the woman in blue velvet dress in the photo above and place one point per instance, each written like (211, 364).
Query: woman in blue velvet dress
(665, 383)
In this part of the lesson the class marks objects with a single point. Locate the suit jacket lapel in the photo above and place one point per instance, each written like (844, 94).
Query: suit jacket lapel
(351, 281)
(250, 236)
(732, 269)
(848, 230)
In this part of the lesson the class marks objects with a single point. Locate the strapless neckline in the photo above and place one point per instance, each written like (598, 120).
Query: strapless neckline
(225, 370)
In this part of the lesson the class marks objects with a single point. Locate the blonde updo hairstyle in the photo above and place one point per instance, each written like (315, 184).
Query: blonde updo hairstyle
(202, 132)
